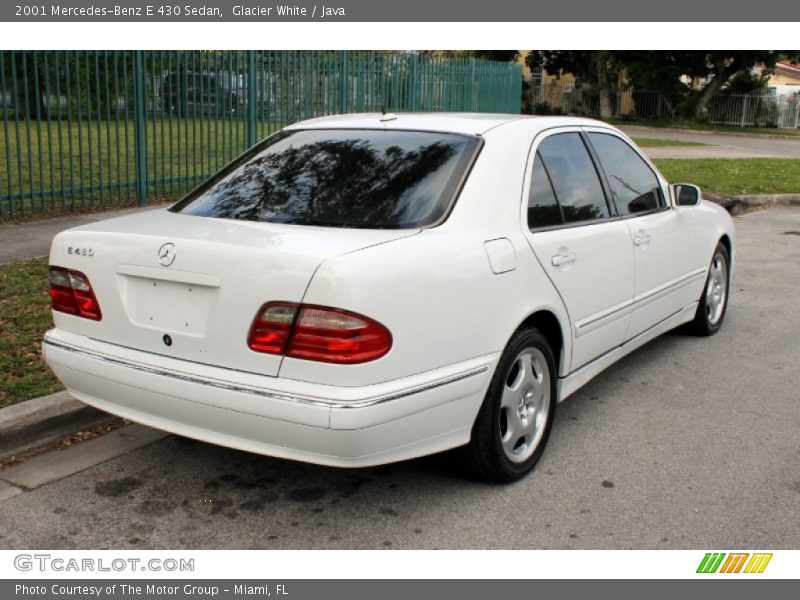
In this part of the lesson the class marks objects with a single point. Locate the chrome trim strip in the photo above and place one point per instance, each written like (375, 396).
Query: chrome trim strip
(642, 299)
(415, 390)
(309, 400)
(600, 316)
(595, 366)
(670, 284)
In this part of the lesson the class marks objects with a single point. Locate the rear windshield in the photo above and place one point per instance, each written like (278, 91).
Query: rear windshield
(374, 179)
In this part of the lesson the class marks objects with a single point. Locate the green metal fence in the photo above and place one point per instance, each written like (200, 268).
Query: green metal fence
(110, 128)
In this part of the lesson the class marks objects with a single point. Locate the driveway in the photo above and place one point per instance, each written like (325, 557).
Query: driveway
(688, 443)
(719, 145)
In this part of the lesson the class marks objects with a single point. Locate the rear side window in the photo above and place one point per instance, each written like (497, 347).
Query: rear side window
(574, 178)
(374, 179)
(634, 186)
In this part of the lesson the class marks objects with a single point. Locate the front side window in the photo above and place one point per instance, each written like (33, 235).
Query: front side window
(574, 178)
(374, 179)
(634, 186)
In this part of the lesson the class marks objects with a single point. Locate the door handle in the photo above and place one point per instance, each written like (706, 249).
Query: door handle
(641, 239)
(562, 259)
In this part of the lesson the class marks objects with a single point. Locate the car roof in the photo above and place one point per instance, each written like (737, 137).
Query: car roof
(463, 123)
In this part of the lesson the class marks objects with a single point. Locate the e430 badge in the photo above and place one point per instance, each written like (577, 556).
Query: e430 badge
(77, 250)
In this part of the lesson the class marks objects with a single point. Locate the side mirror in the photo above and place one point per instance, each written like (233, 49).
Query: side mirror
(686, 194)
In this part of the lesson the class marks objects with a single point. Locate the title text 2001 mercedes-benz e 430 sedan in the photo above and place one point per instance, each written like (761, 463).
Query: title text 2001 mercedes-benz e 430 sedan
(362, 289)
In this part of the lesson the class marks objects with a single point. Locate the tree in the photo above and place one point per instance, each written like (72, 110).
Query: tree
(496, 55)
(659, 71)
(599, 68)
(719, 66)
(713, 69)
(656, 71)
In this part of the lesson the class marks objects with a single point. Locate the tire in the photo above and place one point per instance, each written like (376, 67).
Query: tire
(714, 300)
(515, 419)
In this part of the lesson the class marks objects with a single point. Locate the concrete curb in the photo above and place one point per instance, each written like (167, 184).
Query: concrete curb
(768, 201)
(46, 468)
(737, 205)
(43, 421)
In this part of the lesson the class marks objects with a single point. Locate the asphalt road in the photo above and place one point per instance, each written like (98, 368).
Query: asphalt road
(688, 443)
(719, 145)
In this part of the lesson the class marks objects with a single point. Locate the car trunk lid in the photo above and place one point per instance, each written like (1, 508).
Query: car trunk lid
(189, 287)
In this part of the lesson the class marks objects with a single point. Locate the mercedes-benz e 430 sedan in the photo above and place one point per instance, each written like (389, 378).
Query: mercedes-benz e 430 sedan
(362, 289)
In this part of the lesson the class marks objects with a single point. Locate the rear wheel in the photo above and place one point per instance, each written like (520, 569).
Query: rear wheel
(714, 301)
(514, 422)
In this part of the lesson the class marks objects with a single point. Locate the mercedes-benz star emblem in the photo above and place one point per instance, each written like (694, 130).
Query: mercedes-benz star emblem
(166, 254)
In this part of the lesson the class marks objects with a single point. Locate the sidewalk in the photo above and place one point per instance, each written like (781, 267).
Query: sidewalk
(717, 144)
(706, 152)
(32, 240)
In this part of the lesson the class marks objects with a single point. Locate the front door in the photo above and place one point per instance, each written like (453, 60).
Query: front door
(663, 238)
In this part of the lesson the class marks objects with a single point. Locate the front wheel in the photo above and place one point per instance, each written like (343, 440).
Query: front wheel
(514, 421)
(714, 301)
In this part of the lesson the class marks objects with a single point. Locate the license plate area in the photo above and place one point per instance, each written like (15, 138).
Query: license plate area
(168, 306)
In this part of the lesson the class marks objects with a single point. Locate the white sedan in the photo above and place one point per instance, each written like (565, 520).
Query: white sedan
(363, 289)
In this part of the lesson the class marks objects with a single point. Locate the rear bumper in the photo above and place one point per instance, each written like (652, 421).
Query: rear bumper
(330, 425)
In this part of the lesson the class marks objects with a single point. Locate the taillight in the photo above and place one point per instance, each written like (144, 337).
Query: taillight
(271, 327)
(71, 292)
(337, 336)
(318, 333)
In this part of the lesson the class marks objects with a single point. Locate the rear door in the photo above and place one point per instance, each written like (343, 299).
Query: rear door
(576, 237)
(663, 239)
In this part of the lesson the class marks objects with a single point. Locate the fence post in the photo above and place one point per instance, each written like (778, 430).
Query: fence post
(511, 86)
(252, 98)
(343, 75)
(139, 127)
(797, 111)
(744, 110)
(473, 86)
(412, 83)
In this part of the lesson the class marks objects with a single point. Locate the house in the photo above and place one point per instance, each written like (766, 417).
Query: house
(785, 79)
